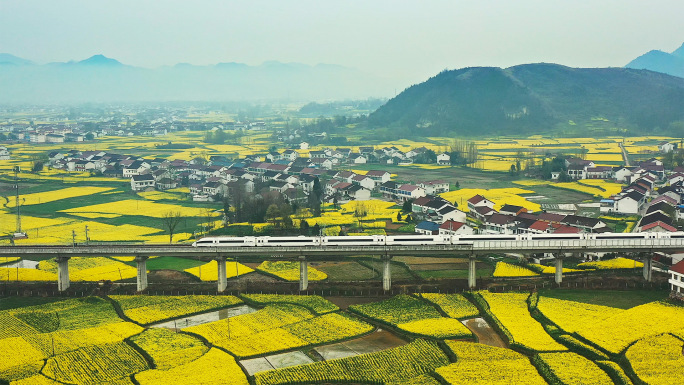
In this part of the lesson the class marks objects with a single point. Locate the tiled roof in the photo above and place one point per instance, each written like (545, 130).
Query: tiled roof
(678, 267)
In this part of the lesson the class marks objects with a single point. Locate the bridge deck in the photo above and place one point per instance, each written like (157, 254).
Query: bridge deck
(330, 252)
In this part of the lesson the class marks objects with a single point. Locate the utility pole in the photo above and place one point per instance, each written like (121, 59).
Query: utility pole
(86, 234)
(73, 238)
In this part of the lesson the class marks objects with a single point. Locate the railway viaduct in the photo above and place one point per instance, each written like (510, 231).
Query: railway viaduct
(559, 248)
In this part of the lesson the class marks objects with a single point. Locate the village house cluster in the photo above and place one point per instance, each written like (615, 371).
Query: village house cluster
(285, 172)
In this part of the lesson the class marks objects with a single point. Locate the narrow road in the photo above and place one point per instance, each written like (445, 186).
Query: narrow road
(624, 154)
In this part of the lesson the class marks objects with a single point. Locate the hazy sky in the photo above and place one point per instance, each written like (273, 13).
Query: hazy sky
(410, 40)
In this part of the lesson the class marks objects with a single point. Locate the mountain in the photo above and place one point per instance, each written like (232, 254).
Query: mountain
(102, 79)
(100, 60)
(659, 61)
(6, 58)
(533, 98)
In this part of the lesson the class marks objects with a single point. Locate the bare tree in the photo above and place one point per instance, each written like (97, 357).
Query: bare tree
(171, 220)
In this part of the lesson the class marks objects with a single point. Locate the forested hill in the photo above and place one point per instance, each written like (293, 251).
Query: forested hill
(535, 98)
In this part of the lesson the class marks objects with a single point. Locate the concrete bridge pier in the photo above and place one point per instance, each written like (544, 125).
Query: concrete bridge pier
(386, 273)
(142, 272)
(222, 274)
(559, 269)
(62, 273)
(472, 269)
(303, 274)
(648, 267)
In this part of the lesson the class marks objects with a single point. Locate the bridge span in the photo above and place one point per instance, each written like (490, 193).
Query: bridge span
(560, 248)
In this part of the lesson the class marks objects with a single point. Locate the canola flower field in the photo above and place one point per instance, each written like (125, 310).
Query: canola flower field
(83, 341)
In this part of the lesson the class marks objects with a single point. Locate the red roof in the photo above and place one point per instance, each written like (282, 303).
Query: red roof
(659, 223)
(408, 187)
(451, 225)
(540, 226)
(678, 267)
(476, 199)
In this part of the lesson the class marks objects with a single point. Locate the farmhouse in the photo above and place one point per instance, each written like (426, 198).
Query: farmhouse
(479, 201)
(677, 280)
(444, 159)
(435, 187)
(427, 228)
(453, 228)
(142, 182)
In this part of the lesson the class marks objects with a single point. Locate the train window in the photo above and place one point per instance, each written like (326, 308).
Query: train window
(412, 239)
(295, 240)
(366, 239)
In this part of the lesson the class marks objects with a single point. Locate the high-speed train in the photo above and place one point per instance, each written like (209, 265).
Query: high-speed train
(413, 240)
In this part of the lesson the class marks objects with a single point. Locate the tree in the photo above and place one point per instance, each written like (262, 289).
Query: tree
(272, 213)
(304, 227)
(171, 220)
(399, 216)
(226, 209)
(209, 218)
(512, 170)
(361, 210)
(406, 207)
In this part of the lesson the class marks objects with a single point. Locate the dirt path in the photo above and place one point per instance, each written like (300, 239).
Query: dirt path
(485, 334)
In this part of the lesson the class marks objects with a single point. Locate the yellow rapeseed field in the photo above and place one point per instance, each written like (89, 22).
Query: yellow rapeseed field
(571, 368)
(93, 269)
(289, 271)
(51, 196)
(574, 316)
(512, 311)
(270, 317)
(615, 263)
(62, 233)
(437, 327)
(611, 188)
(531, 182)
(19, 359)
(63, 341)
(658, 360)
(500, 197)
(160, 195)
(454, 305)
(19, 274)
(486, 365)
(31, 225)
(150, 309)
(209, 271)
(169, 349)
(216, 367)
(504, 269)
(615, 333)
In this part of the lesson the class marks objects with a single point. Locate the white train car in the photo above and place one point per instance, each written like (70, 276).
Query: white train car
(225, 241)
(412, 240)
(353, 240)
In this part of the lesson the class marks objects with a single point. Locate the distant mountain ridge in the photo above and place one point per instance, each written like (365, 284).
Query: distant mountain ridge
(102, 79)
(6, 58)
(659, 61)
(531, 99)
